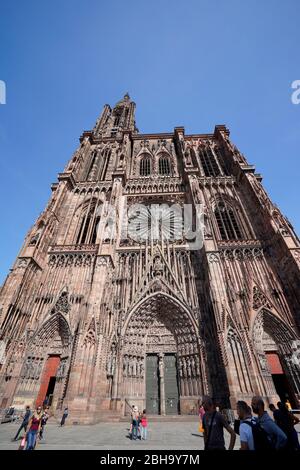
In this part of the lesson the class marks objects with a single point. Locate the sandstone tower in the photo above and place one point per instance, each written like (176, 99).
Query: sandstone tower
(96, 321)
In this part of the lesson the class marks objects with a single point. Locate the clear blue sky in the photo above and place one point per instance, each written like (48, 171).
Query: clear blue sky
(195, 63)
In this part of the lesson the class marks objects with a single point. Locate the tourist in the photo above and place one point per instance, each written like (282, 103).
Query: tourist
(45, 417)
(252, 435)
(130, 428)
(245, 427)
(34, 426)
(143, 425)
(286, 421)
(276, 436)
(64, 416)
(214, 424)
(275, 411)
(25, 422)
(135, 423)
(201, 414)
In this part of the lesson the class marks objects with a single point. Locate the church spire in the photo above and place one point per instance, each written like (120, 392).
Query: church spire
(113, 122)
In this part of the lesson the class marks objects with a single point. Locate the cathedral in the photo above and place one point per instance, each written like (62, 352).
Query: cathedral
(111, 302)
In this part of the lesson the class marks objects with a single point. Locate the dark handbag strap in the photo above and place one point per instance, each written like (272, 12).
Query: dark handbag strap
(209, 430)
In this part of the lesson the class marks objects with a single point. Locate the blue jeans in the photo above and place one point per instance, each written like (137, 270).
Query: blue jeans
(31, 438)
(143, 432)
(135, 431)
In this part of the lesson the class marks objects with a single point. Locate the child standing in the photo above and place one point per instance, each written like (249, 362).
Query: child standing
(144, 425)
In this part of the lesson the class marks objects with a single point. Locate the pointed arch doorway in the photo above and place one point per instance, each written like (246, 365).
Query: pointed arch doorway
(45, 369)
(277, 348)
(160, 365)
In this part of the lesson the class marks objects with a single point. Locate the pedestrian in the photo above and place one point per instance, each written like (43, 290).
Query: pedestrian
(245, 426)
(201, 414)
(34, 426)
(214, 424)
(252, 435)
(276, 436)
(286, 421)
(45, 417)
(135, 423)
(25, 422)
(130, 428)
(143, 425)
(64, 416)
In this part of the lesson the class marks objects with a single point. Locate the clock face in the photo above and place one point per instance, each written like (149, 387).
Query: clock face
(155, 222)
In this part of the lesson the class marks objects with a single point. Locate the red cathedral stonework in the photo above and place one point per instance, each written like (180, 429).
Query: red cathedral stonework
(99, 323)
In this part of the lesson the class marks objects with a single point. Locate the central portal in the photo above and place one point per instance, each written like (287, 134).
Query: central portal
(160, 366)
(162, 394)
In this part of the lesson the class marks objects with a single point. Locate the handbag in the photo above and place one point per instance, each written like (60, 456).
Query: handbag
(23, 442)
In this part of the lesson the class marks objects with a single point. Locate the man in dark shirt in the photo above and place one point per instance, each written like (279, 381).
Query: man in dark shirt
(214, 424)
(24, 422)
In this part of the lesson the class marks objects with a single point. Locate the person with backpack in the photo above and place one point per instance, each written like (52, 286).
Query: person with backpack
(252, 435)
(214, 424)
(276, 436)
(245, 426)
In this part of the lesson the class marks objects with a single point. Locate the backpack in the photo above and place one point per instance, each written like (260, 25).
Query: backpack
(260, 436)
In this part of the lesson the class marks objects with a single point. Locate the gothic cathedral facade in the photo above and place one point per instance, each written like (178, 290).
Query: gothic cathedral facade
(98, 322)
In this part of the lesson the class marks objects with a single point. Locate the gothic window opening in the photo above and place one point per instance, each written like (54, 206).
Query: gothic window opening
(94, 230)
(126, 116)
(164, 166)
(87, 233)
(145, 166)
(105, 161)
(227, 222)
(117, 119)
(209, 163)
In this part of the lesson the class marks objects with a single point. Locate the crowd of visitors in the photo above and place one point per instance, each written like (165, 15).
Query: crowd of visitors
(33, 424)
(259, 432)
(138, 424)
(255, 427)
